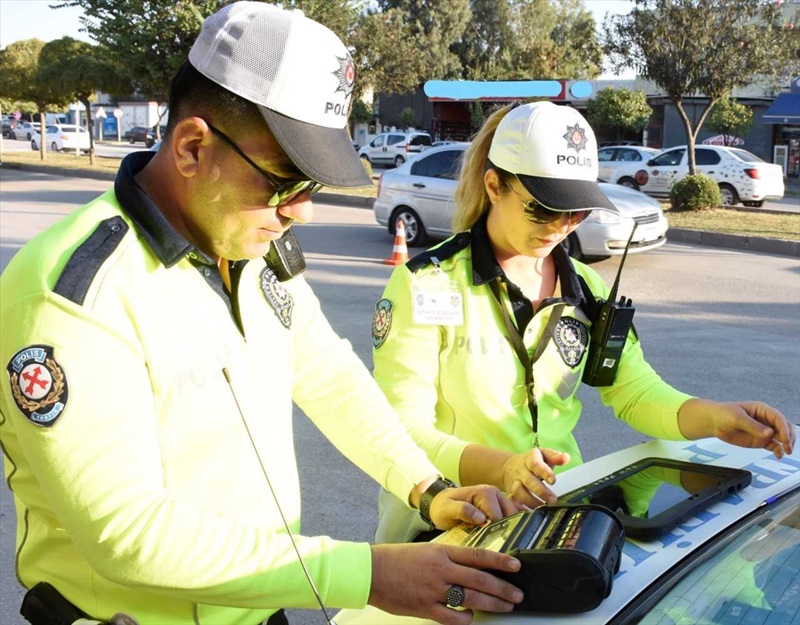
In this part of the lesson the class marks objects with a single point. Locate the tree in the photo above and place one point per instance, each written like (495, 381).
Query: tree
(149, 39)
(19, 65)
(77, 70)
(701, 47)
(529, 39)
(622, 109)
(408, 118)
(731, 120)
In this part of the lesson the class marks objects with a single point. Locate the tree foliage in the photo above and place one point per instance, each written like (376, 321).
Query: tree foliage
(701, 47)
(529, 40)
(730, 119)
(621, 109)
(77, 70)
(19, 66)
(148, 39)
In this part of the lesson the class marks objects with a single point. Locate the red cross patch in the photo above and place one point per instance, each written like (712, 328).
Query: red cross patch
(38, 384)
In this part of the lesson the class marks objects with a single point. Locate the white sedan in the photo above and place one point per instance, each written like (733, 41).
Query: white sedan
(25, 130)
(66, 137)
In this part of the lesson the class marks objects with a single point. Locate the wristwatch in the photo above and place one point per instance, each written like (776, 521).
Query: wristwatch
(441, 483)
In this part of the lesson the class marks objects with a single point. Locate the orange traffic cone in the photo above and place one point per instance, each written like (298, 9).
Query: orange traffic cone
(400, 250)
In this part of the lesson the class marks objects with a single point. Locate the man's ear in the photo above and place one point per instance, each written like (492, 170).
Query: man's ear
(189, 137)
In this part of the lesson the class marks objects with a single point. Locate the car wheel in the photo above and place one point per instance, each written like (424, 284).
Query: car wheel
(628, 182)
(399, 160)
(415, 231)
(131, 140)
(34, 147)
(758, 204)
(365, 158)
(729, 195)
(54, 146)
(28, 136)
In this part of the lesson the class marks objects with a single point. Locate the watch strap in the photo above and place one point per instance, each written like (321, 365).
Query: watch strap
(440, 484)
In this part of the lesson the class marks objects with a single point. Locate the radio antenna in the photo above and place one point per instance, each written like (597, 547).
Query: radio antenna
(275, 498)
(613, 293)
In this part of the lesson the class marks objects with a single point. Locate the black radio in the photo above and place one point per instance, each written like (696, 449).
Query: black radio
(609, 333)
(569, 553)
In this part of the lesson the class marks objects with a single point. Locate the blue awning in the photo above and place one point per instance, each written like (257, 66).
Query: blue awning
(784, 110)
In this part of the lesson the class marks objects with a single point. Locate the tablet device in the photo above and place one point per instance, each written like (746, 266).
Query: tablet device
(653, 495)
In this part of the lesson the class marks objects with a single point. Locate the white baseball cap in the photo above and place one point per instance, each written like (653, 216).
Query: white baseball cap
(298, 73)
(552, 150)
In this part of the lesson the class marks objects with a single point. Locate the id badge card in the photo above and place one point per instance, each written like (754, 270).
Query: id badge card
(438, 307)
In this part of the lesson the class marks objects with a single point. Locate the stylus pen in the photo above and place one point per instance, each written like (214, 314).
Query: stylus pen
(771, 500)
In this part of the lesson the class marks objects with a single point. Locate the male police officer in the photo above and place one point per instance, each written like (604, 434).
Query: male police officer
(153, 355)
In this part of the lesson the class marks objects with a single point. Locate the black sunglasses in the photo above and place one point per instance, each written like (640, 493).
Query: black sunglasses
(538, 214)
(284, 191)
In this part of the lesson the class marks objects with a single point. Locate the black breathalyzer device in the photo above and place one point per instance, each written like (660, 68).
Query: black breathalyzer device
(285, 257)
(569, 554)
(609, 333)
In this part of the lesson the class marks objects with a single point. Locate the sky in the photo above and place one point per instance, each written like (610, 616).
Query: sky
(26, 19)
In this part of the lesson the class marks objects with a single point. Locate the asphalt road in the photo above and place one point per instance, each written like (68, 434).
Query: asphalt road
(716, 323)
(106, 149)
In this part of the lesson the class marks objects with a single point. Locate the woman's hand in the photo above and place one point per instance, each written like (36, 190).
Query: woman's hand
(746, 424)
(525, 475)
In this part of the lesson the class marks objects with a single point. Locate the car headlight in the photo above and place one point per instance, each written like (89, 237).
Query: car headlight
(606, 217)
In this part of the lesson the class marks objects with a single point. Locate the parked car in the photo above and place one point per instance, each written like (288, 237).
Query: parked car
(612, 156)
(741, 176)
(137, 134)
(63, 137)
(421, 193)
(735, 561)
(26, 130)
(8, 128)
(151, 138)
(394, 148)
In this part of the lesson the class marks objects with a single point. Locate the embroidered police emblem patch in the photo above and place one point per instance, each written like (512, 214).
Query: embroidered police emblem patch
(571, 338)
(38, 384)
(381, 322)
(279, 298)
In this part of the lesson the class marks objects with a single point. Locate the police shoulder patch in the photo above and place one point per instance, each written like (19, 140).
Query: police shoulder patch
(571, 338)
(278, 297)
(381, 322)
(38, 384)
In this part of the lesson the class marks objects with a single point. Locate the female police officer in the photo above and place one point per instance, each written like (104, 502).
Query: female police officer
(481, 342)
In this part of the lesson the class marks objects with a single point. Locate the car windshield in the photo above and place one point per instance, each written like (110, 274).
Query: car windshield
(752, 578)
(744, 155)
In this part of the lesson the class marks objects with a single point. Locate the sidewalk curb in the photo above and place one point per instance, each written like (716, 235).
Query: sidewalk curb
(781, 247)
(678, 235)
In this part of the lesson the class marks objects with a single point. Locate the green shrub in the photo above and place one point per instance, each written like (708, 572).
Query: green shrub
(695, 193)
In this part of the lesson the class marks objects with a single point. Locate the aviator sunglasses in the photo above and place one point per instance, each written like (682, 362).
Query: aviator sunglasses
(284, 191)
(538, 214)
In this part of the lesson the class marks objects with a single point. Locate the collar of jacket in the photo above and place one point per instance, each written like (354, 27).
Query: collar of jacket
(166, 242)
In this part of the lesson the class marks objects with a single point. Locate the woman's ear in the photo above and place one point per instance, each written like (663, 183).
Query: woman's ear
(493, 184)
(189, 137)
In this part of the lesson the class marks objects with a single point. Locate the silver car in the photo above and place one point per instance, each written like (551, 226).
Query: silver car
(420, 192)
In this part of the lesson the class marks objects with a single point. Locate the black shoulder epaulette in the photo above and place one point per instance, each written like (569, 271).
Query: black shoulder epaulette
(86, 260)
(444, 251)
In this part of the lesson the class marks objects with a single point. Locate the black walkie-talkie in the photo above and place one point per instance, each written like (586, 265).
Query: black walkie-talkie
(609, 333)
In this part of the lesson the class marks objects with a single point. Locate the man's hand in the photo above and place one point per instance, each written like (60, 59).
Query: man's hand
(474, 505)
(413, 580)
(746, 424)
(525, 475)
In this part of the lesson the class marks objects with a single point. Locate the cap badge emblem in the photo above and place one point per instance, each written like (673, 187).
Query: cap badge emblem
(346, 75)
(576, 137)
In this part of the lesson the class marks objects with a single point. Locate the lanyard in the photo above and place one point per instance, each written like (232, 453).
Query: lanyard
(522, 353)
